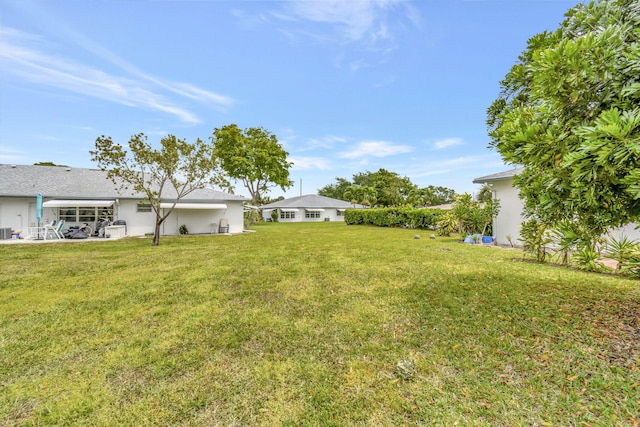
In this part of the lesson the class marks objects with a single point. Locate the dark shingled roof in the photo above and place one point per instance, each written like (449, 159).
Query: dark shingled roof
(310, 201)
(80, 183)
(500, 176)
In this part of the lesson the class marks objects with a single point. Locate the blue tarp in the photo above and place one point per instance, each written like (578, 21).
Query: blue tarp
(475, 238)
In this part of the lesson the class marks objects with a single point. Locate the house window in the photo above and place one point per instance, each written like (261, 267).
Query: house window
(143, 207)
(68, 214)
(312, 214)
(82, 214)
(87, 214)
(340, 212)
(287, 215)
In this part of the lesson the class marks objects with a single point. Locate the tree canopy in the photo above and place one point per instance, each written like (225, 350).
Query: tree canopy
(569, 112)
(254, 157)
(385, 188)
(177, 168)
(49, 164)
(336, 190)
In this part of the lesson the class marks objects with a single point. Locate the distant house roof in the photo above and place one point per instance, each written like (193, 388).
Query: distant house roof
(500, 176)
(444, 207)
(81, 183)
(310, 201)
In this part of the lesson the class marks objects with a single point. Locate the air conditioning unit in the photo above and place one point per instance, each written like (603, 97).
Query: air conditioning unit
(5, 233)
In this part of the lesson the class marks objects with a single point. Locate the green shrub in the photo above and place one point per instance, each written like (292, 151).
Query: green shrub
(394, 217)
(535, 238)
(447, 224)
(353, 216)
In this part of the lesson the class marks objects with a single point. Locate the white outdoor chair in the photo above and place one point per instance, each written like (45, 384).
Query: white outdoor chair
(55, 229)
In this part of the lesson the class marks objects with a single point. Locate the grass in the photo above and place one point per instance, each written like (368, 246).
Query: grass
(305, 325)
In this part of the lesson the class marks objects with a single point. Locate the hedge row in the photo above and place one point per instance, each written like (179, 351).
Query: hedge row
(394, 217)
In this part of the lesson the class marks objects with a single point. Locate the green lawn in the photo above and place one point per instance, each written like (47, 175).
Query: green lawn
(305, 324)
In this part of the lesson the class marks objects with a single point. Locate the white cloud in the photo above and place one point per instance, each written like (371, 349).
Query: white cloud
(450, 166)
(366, 22)
(446, 143)
(309, 163)
(462, 161)
(136, 89)
(353, 18)
(375, 149)
(325, 142)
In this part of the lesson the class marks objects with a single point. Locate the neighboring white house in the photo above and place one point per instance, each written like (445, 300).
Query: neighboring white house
(509, 219)
(80, 195)
(309, 208)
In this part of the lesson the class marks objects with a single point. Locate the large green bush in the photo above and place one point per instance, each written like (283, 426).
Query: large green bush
(394, 217)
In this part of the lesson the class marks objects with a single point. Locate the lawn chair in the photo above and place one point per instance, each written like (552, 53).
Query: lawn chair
(55, 229)
(224, 226)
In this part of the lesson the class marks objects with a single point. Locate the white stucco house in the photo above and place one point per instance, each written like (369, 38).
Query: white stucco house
(509, 219)
(309, 208)
(82, 195)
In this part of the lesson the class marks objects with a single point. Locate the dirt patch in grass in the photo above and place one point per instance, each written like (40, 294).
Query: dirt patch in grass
(618, 325)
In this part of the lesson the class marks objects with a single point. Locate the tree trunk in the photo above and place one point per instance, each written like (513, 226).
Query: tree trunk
(156, 235)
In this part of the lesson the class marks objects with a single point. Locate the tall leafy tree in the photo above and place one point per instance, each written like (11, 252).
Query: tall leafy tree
(253, 156)
(569, 112)
(385, 188)
(431, 196)
(439, 195)
(391, 189)
(364, 195)
(174, 170)
(337, 190)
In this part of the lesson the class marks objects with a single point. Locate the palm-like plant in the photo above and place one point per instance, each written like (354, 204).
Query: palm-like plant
(623, 250)
(587, 258)
(368, 195)
(352, 193)
(485, 194)
(566, 237)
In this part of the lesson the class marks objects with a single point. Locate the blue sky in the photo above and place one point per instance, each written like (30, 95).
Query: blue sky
(346, 86)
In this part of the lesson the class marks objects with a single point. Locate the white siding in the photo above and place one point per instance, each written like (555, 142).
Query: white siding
(19, 213)
(330, 214)
(205, 221)
(509, 218)
(14, 214)
(138, 223)
(629, 230)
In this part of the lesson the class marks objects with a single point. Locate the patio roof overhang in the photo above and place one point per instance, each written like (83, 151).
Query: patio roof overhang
(77, 203)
